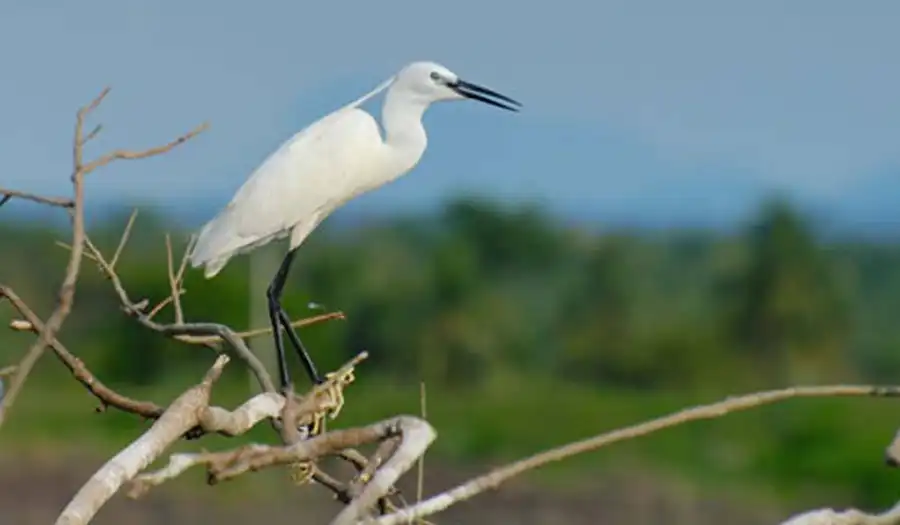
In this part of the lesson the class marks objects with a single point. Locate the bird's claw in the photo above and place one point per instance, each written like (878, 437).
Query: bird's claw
(336, 392)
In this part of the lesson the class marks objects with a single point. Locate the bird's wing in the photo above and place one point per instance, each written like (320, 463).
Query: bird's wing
(304, 177)
(282, 190)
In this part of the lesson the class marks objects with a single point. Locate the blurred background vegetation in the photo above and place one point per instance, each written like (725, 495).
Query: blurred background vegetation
(528, 332)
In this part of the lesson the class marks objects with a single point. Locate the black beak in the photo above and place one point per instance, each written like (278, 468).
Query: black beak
(481, 94)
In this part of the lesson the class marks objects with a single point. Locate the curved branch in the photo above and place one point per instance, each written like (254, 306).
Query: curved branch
(107, 396)
(416, 436)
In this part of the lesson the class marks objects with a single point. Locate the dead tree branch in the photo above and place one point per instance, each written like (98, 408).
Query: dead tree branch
(107, 396)
(66, 294)
(493, 479)
(847, 517)
(190, 414)
(415, 436)
(183, 414)
(206, 334)
(58, 202)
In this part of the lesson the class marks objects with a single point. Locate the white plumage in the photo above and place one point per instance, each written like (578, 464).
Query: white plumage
(297, 186)
(335, 159)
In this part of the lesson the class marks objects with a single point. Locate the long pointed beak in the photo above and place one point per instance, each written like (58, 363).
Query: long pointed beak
(483, 94)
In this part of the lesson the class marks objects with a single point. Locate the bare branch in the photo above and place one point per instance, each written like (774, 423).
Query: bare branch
(66, 293)
(227, 465)
(243, 418)
(195, 333)
(59, 202)
(151, 152)
(423, 411)
(126, 233)
(182, 415)
(79, 141)
(108, 270)
(417, 436)
(106, 395)
(93, 134)
(257, 332)
(162, 304)
(69, 247)
(188, 329)
(494, 478)
(847, 517)
(174, 283)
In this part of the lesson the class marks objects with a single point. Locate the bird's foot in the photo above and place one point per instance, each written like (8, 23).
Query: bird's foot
(335, 391)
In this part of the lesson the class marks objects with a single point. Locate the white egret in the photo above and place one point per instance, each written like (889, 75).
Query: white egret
(335, 159)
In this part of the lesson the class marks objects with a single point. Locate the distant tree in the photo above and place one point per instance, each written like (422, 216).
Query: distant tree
(789, 312)
(595, 326)
(506, 239)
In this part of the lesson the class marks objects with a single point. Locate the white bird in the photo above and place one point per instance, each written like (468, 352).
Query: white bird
(333, 160)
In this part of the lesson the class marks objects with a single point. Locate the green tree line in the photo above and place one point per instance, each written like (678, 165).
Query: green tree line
(483, 295)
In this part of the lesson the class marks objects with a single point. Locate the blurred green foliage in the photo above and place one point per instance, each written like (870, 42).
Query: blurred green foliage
(528, 333)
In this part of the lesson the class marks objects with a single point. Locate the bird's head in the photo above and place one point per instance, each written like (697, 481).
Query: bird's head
(432, 82)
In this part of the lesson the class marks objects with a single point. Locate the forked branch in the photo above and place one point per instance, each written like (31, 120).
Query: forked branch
(182, 415)
(66, 294)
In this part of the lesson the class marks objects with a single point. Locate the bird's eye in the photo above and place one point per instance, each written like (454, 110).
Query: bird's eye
(435, 76)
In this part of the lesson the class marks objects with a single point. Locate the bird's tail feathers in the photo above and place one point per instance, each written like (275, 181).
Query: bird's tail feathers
(210, 250)
(214, 267)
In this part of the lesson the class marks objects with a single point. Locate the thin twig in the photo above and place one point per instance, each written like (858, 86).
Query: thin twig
(126, 233)
(187, 329)
(182, 267)
(93, 134)
(162, 304)
(59, 202)
(173, 282)
(134, 155)
(67, 246)
(250, 334)
(420, 478)
(209, 339)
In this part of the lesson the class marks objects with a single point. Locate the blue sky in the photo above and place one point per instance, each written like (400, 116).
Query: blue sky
(644, 111)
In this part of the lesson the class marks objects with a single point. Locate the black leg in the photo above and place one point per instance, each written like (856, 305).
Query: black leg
(279, 319)
(273, 294)
(298, 346)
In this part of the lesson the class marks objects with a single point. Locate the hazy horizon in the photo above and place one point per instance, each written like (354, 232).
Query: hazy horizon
(641, 112)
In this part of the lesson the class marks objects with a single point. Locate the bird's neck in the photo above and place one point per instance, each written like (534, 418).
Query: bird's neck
(405, 136)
